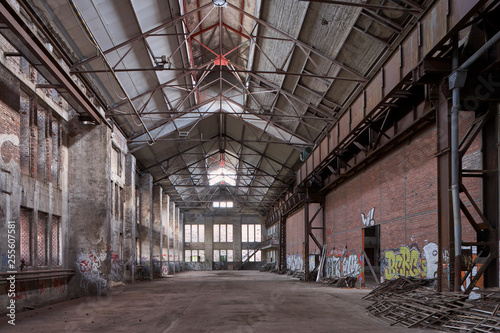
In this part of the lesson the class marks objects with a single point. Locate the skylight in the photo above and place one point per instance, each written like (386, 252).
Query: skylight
(222, 176)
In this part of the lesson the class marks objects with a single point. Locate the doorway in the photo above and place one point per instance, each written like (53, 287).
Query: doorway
(371, 247)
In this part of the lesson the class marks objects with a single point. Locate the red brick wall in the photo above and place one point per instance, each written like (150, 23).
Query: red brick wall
(295, 235)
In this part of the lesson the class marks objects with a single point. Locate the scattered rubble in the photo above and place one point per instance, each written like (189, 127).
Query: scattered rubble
(413, 303)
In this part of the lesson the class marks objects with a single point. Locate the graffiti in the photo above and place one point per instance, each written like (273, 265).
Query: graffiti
(20, 292)
(469, 255)
(89, 267)
(368, 220)
(116, 268)
(431, 257)
(146, 267)
(294, 262)
(164, 270)
(404, 262)
(43, 286)
(59, 285)
(343, 265)
(312, 262)
(5, 262)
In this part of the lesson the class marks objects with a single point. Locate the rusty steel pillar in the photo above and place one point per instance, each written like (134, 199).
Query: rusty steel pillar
(445, 272)
(490, 148)
(282, 243)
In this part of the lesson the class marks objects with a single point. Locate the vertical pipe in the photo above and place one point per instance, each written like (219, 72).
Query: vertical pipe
(455, 170)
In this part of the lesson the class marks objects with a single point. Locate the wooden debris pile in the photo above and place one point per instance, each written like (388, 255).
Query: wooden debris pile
(397, 286)
(344, 282)
(482, 316)
(411, 303)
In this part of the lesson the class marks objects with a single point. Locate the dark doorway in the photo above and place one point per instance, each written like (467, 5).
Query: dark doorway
(372, 249)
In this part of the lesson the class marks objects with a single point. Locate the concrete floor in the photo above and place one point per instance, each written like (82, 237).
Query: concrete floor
(216, 301)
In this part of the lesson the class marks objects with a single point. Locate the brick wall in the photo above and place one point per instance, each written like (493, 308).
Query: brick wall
(295, 240)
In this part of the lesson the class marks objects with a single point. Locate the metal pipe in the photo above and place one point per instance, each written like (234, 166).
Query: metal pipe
(455, 169)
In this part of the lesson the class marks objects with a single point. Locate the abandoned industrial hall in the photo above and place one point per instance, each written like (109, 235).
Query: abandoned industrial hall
(249, 165)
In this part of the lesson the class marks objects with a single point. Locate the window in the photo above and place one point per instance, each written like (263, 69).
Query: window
(27, 237)
(223, 256)
(254, 258)
(223, 204)
(56, 240)
(116, 161)
(251, 233)
(194, 255)
(223, 232)
(194, 233)
(42, 239)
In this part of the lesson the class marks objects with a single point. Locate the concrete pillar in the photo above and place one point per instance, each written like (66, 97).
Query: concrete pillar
(209, 240)
(181, 236)
(171, 232)
(157, 232)
(146, 227)
(165, 209)
(129, 234)
(237, 240)
(89, 196)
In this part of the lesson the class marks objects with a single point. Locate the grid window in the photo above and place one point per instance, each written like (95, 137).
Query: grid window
(223, 256)
(251, 233)
(223, 204)
(194, 233)
(27, 238)
(223, 232)
(42, 239)
(194, 255)
(254, 258)
(56, 239)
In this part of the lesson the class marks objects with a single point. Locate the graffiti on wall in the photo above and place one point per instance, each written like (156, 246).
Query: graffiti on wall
(116, 268)
(20, 292)
(431, 257)
(340, 264)
(368, 220)
(294, 262)
(146, 267)
(4, 264)
(469, 255)
(59, 285)
(89, 266)
(410, 262)
(164, 269)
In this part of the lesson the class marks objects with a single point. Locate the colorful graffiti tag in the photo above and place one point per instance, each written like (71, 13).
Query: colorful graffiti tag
(342, 264)
(431, 257)
(89, 267)
(294, 262)
(116, 268)
(4, 262)
(59, 285)
(407, 261)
